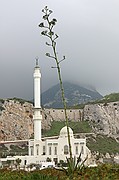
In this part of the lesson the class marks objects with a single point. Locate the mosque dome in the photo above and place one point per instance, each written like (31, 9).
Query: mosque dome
(63, 132)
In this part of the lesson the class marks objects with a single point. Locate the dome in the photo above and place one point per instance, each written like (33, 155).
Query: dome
(63, 132)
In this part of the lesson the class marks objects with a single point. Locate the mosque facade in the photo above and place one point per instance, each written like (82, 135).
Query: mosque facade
(54, 148)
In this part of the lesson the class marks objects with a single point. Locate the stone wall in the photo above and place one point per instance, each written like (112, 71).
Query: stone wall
(59, 115)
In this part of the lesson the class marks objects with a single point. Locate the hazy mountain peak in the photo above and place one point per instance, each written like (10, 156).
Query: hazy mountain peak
(74, 94)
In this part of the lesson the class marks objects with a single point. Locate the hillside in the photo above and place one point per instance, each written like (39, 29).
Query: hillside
(74, 95)
(113, 97)
(16, 122)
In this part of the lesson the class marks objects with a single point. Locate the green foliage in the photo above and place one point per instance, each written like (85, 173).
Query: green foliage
(73, 166)
(18, 161)
(14, 150)
(3, 150)
(111, 98)
(2, 101)
(2, 108)
(80, 106)
(77, 127)
(55, 129)
(103, 144)
(13, 175)
(101, 172)
(81, 127)
(18, 149)
(48, 159)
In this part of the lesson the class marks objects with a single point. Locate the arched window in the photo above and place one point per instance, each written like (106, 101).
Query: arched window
(66, 151)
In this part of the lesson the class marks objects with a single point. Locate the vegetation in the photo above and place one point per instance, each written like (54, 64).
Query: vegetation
(2, 101)
(77, 127)
(101, 172)
(1, 108)
(3, 150)
(13, 175)
(103, 144)
(19, 150)
(14, 150)
(113, 97)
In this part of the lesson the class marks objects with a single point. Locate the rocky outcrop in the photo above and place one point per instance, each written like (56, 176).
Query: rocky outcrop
(16, 119)
(104, 118)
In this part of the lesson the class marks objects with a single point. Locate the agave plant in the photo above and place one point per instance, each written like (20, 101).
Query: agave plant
(74, 166)
(48, 26)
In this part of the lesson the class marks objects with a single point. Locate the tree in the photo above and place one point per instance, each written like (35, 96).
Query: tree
(48, 159)
(18, 161)
(9, 162)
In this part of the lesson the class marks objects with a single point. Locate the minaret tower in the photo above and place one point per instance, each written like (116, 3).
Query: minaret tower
(37, 103)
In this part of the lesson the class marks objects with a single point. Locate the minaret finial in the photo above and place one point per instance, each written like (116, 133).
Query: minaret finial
(37, 61)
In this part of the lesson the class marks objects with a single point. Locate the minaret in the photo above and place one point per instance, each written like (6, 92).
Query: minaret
(37, 103)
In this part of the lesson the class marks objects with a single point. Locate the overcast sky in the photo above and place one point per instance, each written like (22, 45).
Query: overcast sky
(88, 36)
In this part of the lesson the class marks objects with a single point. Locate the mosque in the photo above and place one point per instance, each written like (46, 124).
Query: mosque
(54, 148)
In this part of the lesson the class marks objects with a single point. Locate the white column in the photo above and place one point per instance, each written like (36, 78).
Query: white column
(37, 77)
(37, 103)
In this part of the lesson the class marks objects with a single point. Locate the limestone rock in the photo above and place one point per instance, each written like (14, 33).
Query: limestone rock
(16, 121)
(104, 118)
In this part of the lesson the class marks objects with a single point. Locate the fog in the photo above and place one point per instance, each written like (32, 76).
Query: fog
(88, 36)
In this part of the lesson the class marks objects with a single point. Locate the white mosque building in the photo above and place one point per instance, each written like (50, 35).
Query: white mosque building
(54, 148)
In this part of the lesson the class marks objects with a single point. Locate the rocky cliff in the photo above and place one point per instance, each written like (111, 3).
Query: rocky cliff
(16, 119)
(104, 118)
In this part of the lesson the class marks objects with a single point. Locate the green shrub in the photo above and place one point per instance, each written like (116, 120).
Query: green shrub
(101, 172)
(77, 127)
(103, 144)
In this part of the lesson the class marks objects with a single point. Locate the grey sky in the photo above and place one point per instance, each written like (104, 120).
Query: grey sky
(88, 37)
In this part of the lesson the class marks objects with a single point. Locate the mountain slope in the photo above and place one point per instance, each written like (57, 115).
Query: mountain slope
(74, 95)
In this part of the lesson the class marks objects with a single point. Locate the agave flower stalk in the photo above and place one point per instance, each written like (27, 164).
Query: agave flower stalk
(52, 36)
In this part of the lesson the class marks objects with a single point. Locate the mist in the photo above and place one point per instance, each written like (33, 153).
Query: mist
(88, 36)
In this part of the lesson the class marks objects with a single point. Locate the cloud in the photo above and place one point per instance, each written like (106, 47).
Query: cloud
(88, 37)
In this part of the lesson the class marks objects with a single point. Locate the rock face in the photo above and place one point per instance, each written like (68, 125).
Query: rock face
(16, 119)
(104, 118)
